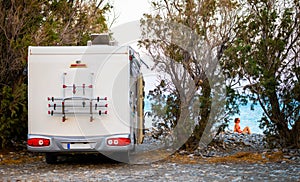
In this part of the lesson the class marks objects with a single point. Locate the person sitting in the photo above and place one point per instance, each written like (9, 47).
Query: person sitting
(237, 127)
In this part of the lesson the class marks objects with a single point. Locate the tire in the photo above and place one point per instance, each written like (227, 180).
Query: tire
(51, 158)
(122, 157)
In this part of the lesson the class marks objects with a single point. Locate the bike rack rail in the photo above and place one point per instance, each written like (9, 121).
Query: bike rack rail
(86, 105)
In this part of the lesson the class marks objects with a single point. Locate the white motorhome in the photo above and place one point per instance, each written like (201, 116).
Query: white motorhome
(85, 99)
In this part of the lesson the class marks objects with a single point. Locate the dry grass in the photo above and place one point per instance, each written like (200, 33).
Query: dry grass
(8, 158)
(249, 157)
(240, 157)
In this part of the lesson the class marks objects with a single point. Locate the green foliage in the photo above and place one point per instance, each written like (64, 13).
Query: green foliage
(13, 112)
(164, 108)
(208, 22)
(37, 22)
(266, 54)
(258, 43)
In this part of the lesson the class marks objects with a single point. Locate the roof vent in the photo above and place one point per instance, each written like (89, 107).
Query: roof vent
(100, 39)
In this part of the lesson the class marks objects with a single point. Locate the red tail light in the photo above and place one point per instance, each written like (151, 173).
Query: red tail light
(38, 142)
(118, 141)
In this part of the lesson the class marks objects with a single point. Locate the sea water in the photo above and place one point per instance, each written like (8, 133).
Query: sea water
(248, 116)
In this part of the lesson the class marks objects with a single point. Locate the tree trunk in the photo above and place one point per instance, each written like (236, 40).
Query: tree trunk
(295, 135)
(287, 138)
(193, 141)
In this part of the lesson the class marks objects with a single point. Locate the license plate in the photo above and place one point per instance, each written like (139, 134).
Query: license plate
(80, 146)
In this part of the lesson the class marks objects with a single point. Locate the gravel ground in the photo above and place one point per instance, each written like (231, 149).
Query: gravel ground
(260, 165)
(95, 168)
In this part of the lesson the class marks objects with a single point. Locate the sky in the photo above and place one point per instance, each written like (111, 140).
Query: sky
(126, 31)
(129, 10)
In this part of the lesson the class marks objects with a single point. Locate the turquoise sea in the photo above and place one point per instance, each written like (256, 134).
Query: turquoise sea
(248, 117)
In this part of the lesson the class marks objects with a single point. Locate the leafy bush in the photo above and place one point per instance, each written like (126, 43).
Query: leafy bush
(13, 114)
(37, 22)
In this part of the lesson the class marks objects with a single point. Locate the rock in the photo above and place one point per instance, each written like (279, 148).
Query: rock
(228, 143)
(263, 155)
(223, 146)
(295, 158)
(211, 154)
(183, 152)
(191, 156)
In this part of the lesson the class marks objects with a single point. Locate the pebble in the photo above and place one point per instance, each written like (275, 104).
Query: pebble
(160, 171)
(165, 170)
(229, 143)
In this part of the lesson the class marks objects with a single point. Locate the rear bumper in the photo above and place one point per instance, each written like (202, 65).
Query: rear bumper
(66, 144)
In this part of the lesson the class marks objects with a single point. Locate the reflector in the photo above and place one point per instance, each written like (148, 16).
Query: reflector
(38, 142)
(118, 141)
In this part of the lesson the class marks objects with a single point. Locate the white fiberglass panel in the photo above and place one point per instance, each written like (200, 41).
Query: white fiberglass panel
(74, 78)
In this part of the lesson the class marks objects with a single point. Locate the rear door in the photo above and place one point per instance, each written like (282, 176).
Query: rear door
(78, 91)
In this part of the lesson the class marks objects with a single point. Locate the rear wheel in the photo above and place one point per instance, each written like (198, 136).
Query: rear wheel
(51, 158)
(119, 156)
(124, 157)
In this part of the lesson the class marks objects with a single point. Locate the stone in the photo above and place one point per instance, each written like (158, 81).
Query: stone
(191, 155)
(228, 142)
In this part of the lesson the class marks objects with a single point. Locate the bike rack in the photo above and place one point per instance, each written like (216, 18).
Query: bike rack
(87, 105)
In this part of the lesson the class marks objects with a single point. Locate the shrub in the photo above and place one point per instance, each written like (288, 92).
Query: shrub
(13, 114)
